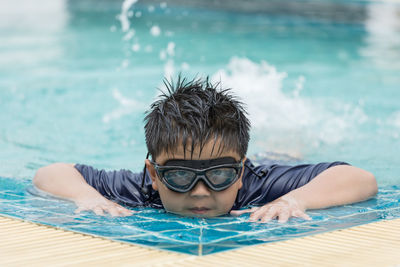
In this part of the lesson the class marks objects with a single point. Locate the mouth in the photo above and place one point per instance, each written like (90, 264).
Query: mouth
(199, 210)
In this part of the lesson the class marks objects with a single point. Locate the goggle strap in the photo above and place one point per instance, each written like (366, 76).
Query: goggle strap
(254, 172)
(200, 164)
(144, 189)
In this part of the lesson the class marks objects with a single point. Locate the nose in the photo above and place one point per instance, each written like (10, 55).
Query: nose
(200, 190)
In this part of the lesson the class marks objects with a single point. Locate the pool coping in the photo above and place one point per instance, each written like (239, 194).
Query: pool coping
(33, 244)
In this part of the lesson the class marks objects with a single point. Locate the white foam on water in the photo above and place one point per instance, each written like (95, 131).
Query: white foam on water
(299, 86)
(286, 122)
(382, 39)
(169, 69)
(171, 49)
(47, 15)
(163, 55)
(390, 125)
(126, 106)
(155, 30)
(148, 49)
(185, 66)
(136, 47)
(394, 119)
(34, 25)
(124, 15)
(124, 63)
(168, 52)
(129, 35)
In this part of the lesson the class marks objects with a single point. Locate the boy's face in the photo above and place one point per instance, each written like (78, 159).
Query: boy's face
(200, 201)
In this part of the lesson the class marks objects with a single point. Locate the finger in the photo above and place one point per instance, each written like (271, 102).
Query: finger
(117, 210)
(123, 211)
(80, 209)
(301, 214)
(258, 214)
(112, 211)
(270, 214)
(98, 211)
(127, 213)
(283, 216)
(240, 212)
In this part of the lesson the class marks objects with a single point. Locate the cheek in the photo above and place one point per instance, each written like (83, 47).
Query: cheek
(171, 201)
(226, 199)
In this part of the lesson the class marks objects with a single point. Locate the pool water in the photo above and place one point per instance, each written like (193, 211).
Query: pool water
(319, 78)
(162, 230)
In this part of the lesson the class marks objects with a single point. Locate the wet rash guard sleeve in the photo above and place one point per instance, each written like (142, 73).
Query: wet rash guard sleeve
(275, 181)
(121, 186)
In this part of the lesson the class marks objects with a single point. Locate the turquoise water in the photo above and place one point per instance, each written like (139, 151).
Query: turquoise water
(320, 80)
(72, 88)
(156, 228)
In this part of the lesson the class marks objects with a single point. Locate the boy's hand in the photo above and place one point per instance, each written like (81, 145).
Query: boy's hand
(282, 208)
(100, 205)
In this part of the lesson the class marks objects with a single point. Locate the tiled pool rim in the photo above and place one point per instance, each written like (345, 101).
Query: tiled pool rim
(158, 229)
(27, 243)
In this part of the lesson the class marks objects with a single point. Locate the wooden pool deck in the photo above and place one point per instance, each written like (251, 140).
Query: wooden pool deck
(29, 244)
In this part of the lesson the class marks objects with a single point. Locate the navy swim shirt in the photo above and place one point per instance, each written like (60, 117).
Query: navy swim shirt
(272, 182)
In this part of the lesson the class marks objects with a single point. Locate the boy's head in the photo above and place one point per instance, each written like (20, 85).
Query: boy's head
(195, 126)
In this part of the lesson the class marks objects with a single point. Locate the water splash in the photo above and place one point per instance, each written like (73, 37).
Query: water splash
(155, 30)
(396, 119)
(167, 55)
(163, 5)
(382, 41)
(127, 106)
(393, 121)
(129, 35)
(286, 122)
(124, 15)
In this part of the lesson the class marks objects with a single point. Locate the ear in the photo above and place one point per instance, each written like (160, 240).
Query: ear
(153, 174)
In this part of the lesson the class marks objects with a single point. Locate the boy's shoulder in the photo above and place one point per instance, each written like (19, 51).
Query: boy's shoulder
(265, 181)
(89, 171)
(122, 186)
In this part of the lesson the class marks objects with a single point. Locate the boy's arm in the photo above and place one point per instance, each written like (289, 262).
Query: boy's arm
(337, 185)
(63, 180)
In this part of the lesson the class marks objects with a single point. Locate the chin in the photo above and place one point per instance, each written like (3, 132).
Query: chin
(210, 214)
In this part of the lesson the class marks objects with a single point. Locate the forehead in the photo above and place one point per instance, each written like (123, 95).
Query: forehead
(200, 164)
(211, 150)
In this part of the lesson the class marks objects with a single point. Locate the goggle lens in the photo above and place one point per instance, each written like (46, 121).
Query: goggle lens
(183, 178)
(221, 176)
(180, 178)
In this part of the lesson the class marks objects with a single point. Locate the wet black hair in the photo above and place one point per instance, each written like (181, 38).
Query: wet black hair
(192, 113)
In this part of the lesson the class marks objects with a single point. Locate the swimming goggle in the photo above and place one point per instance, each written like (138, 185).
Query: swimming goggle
(182, 175)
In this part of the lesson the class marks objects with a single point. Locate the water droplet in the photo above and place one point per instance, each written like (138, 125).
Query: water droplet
(135, 47)
(155, 30)
(113, 28)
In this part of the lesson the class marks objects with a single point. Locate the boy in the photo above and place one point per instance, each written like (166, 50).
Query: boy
(197, 137)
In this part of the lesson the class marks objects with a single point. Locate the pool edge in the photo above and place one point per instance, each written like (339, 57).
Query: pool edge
(28, 243)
